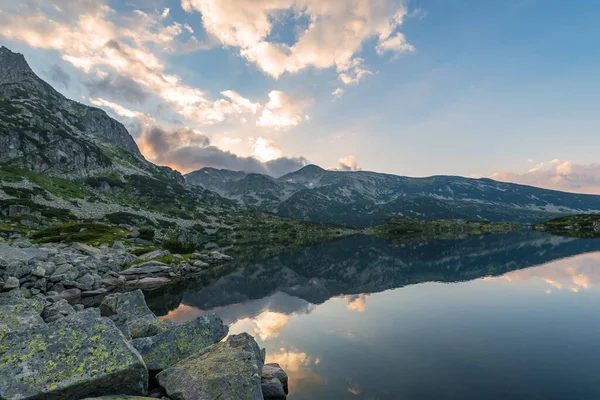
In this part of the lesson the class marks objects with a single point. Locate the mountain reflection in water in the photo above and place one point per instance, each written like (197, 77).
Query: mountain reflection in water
(347, 319)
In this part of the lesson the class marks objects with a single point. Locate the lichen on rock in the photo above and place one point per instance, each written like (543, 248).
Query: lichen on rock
(227, 370)
(180, 341)
(79, 356)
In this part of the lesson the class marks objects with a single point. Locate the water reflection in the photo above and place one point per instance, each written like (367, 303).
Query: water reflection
(494, 332)
(574, 273)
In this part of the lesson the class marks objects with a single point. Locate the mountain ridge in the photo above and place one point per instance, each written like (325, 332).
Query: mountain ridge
(364, 198)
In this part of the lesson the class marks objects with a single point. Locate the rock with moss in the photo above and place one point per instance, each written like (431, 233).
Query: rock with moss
(81, 355)
(130, 309)
(227, 370)
(180, 341)
(18, 313)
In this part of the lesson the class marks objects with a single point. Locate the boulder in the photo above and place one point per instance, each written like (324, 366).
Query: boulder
(86, 282)
(85, 249)
(151, 254)
(18, 313)
(227, 370)
(39, 271)
(149, 282)
(130, 309)
(56, 311)
(274, 382)
(180, 341)
(71, 294)
(200, 264)
(79, 356)
(92, 293)
(10, 284)
(219, 257)
(147, 268)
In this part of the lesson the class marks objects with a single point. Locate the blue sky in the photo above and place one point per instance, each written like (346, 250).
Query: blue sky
(507, 89)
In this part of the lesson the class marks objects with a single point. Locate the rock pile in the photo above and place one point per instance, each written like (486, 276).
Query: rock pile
(113, 351)
(80, 270)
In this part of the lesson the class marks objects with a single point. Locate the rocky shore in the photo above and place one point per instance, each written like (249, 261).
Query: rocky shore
(52, 346)
(52, 350)
(79, 270)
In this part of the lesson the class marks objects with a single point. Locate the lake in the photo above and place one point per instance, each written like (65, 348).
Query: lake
(511, 316)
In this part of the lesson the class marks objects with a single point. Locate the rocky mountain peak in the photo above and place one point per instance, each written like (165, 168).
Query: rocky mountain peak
(13, 66)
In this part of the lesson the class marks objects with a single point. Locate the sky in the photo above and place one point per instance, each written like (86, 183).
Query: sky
(507, 89)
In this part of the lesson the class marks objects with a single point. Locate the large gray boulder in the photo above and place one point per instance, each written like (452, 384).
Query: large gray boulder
(274, 382)
(130, 309)
(79, 356)
(226, 371)
(18, 313)
(180, 341)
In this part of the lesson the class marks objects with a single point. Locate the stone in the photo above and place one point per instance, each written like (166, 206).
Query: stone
(86, 282)
(18, 313)
(10, 284)
(200, 264)
(71, 294)
(92, 293)
(180, 341)
(130, 309)
(57, 310)
(228, 370)
(152, 254)
(274, 382)
(79, 356)
(147, 268)
(215, 255)
(39, 271)
(149, 282)
(85, 249)
(78, 307)
(118, 245)
(200, 256)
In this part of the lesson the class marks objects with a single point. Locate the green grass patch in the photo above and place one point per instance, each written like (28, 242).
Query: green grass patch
(88, 233)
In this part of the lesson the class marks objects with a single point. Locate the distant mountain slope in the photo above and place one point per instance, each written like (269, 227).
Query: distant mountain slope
(365, 198)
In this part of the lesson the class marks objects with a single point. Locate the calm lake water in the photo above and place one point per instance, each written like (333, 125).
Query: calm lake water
(514, 316)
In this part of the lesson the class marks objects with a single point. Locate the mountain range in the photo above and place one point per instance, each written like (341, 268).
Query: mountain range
(62, 160)
(361, 198)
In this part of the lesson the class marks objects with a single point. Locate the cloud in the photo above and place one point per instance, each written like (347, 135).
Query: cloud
(119, 49)
(241, 104)
(283, 111)
(336, 32)
(348, 164)
(58, 75)
(337, 93)
(118, 87)
(187, 150)
(116, 108)
(265, 150)
(558, 175)
(396, 43)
